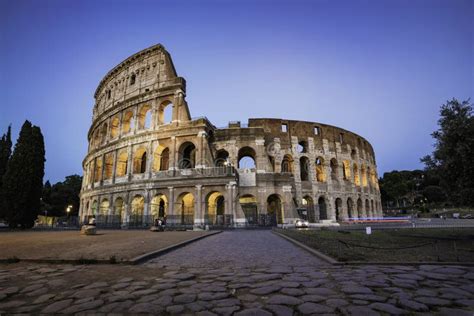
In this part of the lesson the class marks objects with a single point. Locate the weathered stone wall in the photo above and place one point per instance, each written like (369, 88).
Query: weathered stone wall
(148, 158)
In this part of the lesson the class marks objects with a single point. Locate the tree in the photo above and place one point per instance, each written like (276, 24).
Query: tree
(23, 179)
(5, 153)
(452, 160)
(58, 197)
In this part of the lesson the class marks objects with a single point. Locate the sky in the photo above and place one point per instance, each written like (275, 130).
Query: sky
(378, 68)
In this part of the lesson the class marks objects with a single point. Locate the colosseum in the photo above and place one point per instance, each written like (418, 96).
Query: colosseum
(148, 158)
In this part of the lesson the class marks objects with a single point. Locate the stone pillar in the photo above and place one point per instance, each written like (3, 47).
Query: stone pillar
(114, 170)
(200, 157)
(261, 160)
(171, 211)
(135, 119)
(173, 153)
(149, 161)
(198, 212)
(146, 208)
(103, 170)
(129, 162)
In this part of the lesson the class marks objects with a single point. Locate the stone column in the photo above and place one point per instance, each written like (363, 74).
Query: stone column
(129, 162)
(173, 153)
(200, 161)
(171, 211)
(149, 149)
(198, 216)
(114, 170)
(261, 160)
(146, 208)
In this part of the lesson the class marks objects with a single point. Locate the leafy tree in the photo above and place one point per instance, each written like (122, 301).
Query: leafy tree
(452, 160)
(58, 197)
(5, 153)
(23, 180)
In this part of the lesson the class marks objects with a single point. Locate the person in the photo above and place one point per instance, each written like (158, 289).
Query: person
(157, 222)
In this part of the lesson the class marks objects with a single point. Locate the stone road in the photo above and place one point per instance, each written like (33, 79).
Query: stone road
(237, 273)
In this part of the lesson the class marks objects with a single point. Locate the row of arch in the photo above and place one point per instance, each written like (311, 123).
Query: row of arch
(127, 122)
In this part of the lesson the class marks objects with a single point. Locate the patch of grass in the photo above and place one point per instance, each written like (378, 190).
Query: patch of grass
(402, 245)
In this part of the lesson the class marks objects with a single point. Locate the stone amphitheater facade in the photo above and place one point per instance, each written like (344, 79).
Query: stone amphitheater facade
(148, 158)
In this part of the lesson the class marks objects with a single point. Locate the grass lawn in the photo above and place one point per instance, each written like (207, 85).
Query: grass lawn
(397, 245)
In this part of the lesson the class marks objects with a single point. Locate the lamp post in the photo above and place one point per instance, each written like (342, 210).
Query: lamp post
(68, 210)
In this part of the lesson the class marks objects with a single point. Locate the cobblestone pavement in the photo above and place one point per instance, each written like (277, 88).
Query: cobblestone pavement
(211, 277)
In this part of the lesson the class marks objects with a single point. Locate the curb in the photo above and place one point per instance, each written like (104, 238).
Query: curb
(308, 249)
(162, 251)
(362, 263)
(132, 261)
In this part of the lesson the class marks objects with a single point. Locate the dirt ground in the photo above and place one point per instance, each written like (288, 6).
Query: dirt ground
(71, 245)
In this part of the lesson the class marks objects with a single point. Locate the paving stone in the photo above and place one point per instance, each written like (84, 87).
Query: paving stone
(312, 298)
(144, 308)
(209, 296)
(206, 313)
(292, 291)
(253, 312)
(184, 276)
(83, 307)
(163, 286)
(184, 298)
(360, 302)
(226, 311)
(387, 308)
(443, 311)
(410, 276)
(468, 303)
(361, 311)
(226, 302)
(175, 309)
(409, 304)
(197, 306)
(144, 292)
(125, 280)
(264, 277)
(56, 283)
(284, 300)
(320, 291)
(248, 297)
(280, 310)
(312, 308)
(336, 302)
(31, 288)
(38, 292)
(266, 290)
(289, 284)
(11, 304)
(86, 293)
(57, 306)
(10, 290)
(369, 297)
(119, 286)
(432, 301)
(449, 270)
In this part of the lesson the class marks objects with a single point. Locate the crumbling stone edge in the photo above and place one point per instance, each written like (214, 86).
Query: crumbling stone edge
(333, 261)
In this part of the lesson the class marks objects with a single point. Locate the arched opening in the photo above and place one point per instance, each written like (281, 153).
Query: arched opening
(334, 166)
(95, 208)
(338, 209)
(96, 138)
(275, 209)
(363, 173)
(127, 122)
(372, 208)
(187, 155)
(186, 211)
(222, 158)
(346, 169)
(109, 166)
(287, 164)
(302, 147)
(114, 127)
(161, 159)
(353, 154)
(215, 209)
(248, 203)
(139, 161)
(359, 208)
(165, 113)
(133, 78)
(144, 117)
(103, 211)
(119, 210)
(367, 208)
(323, 212)
(98, 169)
(320, 174)
(103, 133)
(122, 161)
(356, 175)
(246, 158)
(308, 204)
(350, 208)
(304, 168)
(159, 207)
(138, 209)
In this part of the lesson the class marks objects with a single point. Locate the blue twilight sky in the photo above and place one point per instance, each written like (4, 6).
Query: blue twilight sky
(378, 68)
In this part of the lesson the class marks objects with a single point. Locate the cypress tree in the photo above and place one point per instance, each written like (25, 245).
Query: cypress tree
(5, 153)
(23, 180)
